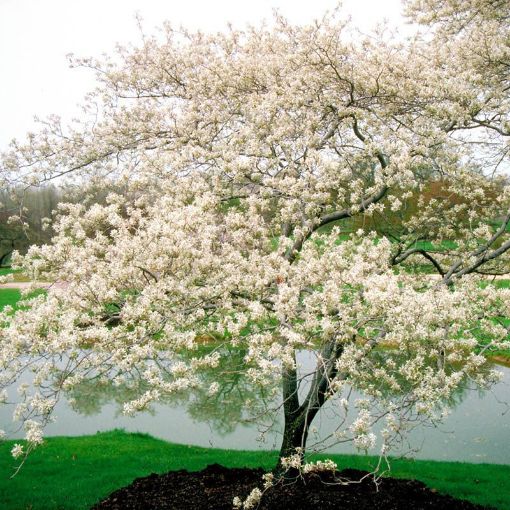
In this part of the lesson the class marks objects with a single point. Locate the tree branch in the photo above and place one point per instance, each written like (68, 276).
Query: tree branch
(312, 226)
(481, 255)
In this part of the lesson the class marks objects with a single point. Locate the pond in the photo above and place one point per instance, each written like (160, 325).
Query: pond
(477, 430)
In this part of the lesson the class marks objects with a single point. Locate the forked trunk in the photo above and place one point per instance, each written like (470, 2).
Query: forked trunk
(299, 416)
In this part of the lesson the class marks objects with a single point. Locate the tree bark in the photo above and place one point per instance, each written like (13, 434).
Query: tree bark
(295, 431)
(298, 417)
(294, 438)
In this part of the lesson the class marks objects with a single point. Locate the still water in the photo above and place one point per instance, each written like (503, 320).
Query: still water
(477, 430)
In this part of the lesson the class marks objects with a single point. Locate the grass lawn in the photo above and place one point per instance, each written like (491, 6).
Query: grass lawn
(18, 276)
(74, 472)
(9, 297)
(12, 296)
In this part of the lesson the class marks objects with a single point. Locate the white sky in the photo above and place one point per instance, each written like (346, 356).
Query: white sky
(36, 36)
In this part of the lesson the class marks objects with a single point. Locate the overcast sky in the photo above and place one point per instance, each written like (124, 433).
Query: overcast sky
(36, 36)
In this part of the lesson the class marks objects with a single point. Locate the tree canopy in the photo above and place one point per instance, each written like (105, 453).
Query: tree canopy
(254, 163)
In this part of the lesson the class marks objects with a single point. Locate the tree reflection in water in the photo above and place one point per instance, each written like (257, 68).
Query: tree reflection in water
(238, 401)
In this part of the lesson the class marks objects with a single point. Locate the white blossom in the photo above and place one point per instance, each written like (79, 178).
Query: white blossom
(17, 451)
(278, 190)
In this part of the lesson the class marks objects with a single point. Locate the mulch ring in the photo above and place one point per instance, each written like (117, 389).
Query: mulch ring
(216, 486)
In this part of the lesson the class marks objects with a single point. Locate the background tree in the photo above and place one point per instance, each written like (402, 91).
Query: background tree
(246, 158)
(25, 214)
(22, 218)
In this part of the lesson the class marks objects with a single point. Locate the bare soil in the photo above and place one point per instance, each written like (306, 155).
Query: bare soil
(216, 486)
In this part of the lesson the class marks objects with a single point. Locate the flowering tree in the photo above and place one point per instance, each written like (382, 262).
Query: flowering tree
(246, 158)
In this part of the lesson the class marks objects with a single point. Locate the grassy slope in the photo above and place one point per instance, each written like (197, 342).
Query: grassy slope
(75, 472)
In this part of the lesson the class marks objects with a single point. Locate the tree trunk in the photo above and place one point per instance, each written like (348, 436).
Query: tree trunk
(3, 258)
(295, 433)
(298, 417)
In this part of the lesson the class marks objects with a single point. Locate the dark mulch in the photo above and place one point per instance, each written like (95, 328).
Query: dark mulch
(216, 486)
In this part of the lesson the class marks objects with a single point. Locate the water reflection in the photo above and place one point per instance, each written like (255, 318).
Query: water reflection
(236, 401)
(478, 429)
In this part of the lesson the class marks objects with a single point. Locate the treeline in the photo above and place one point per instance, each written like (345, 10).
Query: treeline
(25, 214)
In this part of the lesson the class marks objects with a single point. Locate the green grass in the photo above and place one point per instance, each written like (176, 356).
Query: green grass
(75, 472)
(18, 276)
(12, 296)
(9, 297)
